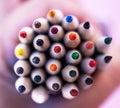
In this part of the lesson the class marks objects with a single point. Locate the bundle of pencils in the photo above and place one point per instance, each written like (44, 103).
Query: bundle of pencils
(57, 55)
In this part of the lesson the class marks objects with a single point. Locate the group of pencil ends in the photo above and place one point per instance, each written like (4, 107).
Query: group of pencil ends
(57, 56)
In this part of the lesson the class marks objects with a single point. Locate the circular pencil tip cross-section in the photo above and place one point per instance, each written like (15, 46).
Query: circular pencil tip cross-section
(56, 32)
(38, 76)
(70, 22)
(70, 73)
(40, 25)
(57, 51)
(22, 68)
(86, 30)
(23, 85)
(54, 83)
(103, 43)
(102, 61)
(37, 59)
(85, 81)
(87, 48)
(72, 39)
(73, 57)
(41, 43)
(22, 51)
(55, 16)
(53, 66)
(88, 65)
(39, 95)
(70, 91)
(26, 35)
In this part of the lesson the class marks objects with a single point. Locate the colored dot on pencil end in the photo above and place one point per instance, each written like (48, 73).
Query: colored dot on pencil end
(37, 24)
(23, 34)
(57, 49)
(107, 59)
(72, 73)
(108, 40)
(74, 92)
(51, 13)
(39, 42)
(36, 60)
(55, 86)
(37, 78)
(86, 25)
(89, 45)
(92, 63)
(69, 19)
(53, 67)
(75, 55)
(19, 70)
(72, 36)
(54, 30)
(89, 81)
(20, 52)
(21, 89)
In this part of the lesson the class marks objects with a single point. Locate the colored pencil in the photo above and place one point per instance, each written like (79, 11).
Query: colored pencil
(39, 95)
(70, 73)
(22, 68)
(23, 85)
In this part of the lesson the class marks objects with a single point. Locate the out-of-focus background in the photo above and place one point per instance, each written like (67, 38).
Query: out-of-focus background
(105, 12)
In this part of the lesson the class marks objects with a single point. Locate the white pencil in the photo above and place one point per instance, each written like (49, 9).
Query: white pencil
(54, 83)
(56, 32)
(103, 43)
(57, 51)
(26, 35)
(72, 39)
(70, 91)
(23, 85)
(22, 51)
(70, 22)
(73, 57)
(53, 66)
(85, 81)
(87, 48)
(103, 61)
(39, 95)
(37, 59)
(86, 30)
(22, 68)
(88, 65)
(55, 16)
(38, 76)
(70, 73)
(40, 25)
(41, 43)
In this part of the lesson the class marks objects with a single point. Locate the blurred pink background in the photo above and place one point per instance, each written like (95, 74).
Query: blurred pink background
(103, 11)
